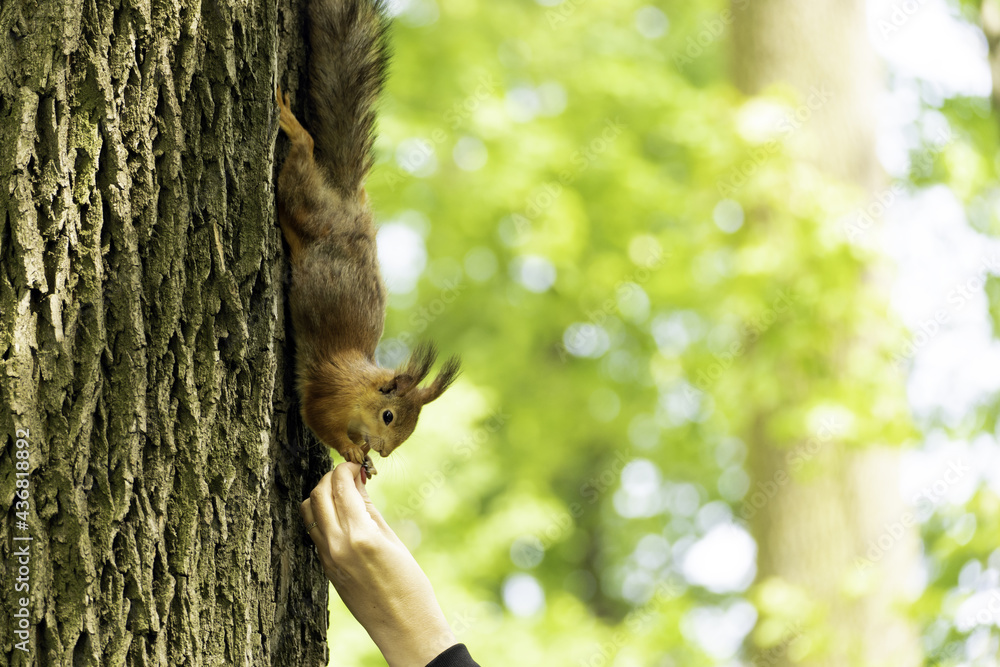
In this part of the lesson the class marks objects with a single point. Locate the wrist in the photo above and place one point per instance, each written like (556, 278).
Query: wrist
(425, 638)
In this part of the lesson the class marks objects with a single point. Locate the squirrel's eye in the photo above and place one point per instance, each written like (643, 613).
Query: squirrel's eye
(387, 416)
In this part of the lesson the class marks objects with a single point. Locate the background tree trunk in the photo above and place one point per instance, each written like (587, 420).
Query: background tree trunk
(989, 21)
(816, 535)
(143, 341)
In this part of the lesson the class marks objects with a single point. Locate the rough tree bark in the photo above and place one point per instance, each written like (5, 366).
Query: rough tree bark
(813, 533)
(143, 341)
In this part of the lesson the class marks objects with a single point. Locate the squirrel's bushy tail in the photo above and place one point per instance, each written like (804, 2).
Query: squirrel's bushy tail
(350, 53)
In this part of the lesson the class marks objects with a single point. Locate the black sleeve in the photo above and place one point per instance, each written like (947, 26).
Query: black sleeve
(456, 656)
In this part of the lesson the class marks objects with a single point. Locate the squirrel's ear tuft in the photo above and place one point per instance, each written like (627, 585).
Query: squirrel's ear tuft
(417, 368)
(448, 374)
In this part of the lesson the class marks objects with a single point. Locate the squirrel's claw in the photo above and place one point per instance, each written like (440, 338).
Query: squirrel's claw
(354, 454)
(286, 119)
(289, 123)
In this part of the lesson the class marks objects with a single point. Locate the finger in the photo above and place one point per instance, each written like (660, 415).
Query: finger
(370, 507)
(351, 511)
(319, 540)
(309, 522)
(305, 509)
(320, 503)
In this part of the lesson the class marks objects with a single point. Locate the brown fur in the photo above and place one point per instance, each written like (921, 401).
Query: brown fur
(337, 296)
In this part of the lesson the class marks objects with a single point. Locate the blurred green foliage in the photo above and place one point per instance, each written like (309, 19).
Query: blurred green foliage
(667, 325)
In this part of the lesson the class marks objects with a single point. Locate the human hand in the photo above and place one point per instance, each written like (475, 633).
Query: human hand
(374, 573)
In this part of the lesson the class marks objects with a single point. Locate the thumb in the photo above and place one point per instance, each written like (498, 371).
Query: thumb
(370, 506)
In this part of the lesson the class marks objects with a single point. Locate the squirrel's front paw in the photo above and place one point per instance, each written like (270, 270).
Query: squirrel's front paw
(355, 454)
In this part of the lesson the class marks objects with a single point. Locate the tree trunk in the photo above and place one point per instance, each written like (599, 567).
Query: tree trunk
(143, 346)
(816, 536)
(989, 21)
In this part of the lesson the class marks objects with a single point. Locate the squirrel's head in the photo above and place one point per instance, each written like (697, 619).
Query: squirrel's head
(387, 415)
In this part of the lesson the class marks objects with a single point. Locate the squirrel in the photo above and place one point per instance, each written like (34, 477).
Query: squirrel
(337, 296)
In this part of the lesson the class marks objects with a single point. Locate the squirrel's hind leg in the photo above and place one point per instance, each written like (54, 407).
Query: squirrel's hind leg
(306, 202)
(291, 125)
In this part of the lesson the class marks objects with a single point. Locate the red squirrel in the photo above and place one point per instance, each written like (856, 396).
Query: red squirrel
(337, 295)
